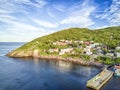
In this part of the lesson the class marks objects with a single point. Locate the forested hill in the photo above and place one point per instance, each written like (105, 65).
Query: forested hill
(108, 36)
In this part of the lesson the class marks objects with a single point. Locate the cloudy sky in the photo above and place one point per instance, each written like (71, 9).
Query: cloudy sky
(24, 20)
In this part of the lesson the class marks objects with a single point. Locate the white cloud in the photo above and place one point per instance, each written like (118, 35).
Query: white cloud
(18, 31)
(14, 28)
(50, 13)
(59, 7)
(45, 23)
(13, 6)
(37, 3)
(80, 15)
(112, 14)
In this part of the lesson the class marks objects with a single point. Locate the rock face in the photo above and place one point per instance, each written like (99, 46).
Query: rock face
(34, 53)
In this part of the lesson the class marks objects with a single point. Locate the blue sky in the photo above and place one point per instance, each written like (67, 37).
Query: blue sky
(25, 20)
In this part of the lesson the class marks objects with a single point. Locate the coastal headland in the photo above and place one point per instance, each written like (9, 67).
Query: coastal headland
(76, 45)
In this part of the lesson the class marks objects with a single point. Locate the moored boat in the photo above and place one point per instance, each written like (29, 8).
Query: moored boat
(116, 70)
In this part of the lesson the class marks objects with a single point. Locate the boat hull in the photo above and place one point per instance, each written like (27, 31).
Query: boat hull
(117, 74)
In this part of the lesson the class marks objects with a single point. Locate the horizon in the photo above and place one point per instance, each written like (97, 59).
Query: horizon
(25, 20)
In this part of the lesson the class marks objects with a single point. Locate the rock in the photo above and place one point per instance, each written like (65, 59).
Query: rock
(36, 53)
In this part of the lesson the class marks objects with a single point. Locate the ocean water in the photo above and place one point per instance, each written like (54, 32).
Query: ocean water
(34, 74)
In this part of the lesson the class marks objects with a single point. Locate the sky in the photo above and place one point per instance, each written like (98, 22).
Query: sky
(25, 20)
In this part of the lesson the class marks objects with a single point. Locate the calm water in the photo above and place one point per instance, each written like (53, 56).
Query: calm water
(34, 74)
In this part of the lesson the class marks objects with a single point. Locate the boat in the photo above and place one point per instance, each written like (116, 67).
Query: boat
(116, 70)
(100, 79)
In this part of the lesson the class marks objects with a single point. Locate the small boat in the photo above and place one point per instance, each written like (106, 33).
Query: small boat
(116, 70)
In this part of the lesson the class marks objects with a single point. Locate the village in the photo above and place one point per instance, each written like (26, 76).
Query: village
(84, 48)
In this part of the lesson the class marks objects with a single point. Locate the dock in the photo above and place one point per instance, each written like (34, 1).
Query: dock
(100, 79)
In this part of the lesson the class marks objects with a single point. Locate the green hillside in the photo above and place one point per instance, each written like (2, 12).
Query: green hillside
(107, 36)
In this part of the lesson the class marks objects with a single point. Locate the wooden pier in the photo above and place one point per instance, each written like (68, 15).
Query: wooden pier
(100, 79)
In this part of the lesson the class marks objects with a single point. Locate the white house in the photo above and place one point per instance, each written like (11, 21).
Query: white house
(118, 54)
(87, 50)
(53, 50)
(110, 54)
(92, 45)
(88, 53)
(63, 51)
(117, 48)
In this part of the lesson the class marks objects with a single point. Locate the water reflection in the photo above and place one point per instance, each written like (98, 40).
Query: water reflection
(68, 68)
(36, 63)
(63, 66)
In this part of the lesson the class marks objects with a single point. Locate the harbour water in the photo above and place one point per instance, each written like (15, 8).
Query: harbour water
(34, 74)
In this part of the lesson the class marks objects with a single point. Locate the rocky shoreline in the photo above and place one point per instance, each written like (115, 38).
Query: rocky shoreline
(51, 57)
(75, 61)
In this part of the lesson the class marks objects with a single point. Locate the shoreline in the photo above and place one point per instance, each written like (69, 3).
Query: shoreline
(57, 58)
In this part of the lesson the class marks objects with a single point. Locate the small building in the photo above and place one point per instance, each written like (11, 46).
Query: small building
(63, 51)
(91, 42)
(96, 44)
(87, 43)
(81, 42)
(54, 43)
(110, 54)
(117, 48)
(87, 50)
(53, 50)
(68, 42)
(62, 40)
(98, 47)
(92, 45)
(117, 54)
(89, 53)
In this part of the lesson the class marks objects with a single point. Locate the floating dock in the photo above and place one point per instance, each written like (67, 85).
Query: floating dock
(100, 79)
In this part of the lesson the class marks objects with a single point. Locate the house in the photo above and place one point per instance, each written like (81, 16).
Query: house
(91, 42)
(98, 47)
(117, 54)
(96, 44)
(89, 53)
(87, 50)
(53, 50)
(117, 51)
(63, 51)
(110, 54)
(68, 42)
(87, 43)
(92, 45)
(62, 40)
(117, 48)
(81, 42)
(54, 43)
(59, 43)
